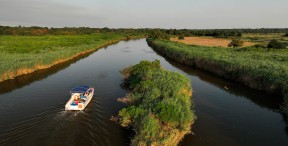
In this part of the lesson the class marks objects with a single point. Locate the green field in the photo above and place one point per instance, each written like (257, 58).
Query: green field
(258, 68)
(25, 54)
(264, 39)
(159, 104)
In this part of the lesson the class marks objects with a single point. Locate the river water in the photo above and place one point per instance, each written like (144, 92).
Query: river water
(32, 106)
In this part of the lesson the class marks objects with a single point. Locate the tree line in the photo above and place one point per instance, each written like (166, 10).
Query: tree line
(36, 30)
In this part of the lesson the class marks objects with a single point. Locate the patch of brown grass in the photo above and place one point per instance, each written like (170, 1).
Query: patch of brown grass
(208, 41)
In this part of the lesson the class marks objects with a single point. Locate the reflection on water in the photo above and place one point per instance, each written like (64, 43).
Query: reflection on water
(228, 113)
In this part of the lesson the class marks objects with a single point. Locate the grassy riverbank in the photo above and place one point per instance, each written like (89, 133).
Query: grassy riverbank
(25, 54)
(257, 68)
(159, 106)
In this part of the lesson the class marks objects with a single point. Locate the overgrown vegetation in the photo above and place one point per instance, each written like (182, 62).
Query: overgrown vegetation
(224, 33)
(257, 68)
(275, 45)
(38, 31)
(159, 105)
(181, 37)
(236, 43)
(25, 54)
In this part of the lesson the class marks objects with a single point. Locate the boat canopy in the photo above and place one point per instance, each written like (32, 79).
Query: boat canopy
(79, 89)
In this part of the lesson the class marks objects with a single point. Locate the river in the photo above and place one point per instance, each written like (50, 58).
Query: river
(32, 106)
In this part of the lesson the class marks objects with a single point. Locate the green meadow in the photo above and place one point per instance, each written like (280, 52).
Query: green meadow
(25, 54)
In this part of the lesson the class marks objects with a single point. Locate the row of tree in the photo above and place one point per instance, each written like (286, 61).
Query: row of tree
(223, 32)
(35, 30)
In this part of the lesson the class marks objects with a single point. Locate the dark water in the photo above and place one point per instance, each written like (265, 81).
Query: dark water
(32, 106)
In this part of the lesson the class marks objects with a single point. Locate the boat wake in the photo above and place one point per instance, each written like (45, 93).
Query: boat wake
(59, 127)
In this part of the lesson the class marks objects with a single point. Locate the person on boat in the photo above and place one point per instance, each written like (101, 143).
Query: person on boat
(83, 96)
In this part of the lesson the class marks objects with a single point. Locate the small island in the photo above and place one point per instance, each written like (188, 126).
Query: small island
(159, 105)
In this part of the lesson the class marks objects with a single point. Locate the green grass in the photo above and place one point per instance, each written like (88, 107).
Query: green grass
(19, 54)
(264, 39)
(257, 68)
(159, 104)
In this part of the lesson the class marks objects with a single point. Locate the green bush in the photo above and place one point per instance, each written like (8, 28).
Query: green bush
(181, 37)
(275, 45)
(236, 43)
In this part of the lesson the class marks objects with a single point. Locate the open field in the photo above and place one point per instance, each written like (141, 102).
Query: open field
(208, 41)
(25, 54)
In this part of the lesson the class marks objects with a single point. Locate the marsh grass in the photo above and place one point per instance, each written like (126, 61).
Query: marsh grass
(159, 104)
(26, 54)
(258, 68)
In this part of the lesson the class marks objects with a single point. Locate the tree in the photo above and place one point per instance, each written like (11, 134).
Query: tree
(275, 44)
(181, 37)
(236, 43)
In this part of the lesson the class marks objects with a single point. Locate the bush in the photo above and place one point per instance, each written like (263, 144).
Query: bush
(236, 43)
(286, 35)
(181, 37)
(275, 44)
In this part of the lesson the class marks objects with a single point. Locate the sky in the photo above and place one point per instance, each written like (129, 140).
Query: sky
(180, 14)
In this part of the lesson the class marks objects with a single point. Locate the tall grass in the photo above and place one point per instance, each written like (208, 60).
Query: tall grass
(25, 54)
(160, 104)
(257, 68)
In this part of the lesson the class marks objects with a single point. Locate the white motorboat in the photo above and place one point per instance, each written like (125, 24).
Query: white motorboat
(80, 98)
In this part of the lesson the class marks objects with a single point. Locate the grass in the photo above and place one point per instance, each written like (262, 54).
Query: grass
(262, 69)
(264, 39)
(208, 41)
(159, 106)
(25, 54)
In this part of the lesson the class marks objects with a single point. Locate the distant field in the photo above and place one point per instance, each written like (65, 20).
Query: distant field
(264, 39)
(208, 41)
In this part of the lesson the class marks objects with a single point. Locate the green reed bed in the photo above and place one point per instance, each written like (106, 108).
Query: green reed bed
(262, 69)
(25, 54)
(159, 106)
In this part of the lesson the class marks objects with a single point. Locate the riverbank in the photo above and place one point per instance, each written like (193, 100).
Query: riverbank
(26, 54)
(265, 70)
(159, 106)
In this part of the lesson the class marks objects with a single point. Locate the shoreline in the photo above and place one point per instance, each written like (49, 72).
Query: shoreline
(254, 81)
(10, 75)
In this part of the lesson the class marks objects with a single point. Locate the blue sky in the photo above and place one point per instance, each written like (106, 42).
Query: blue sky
(198, 14)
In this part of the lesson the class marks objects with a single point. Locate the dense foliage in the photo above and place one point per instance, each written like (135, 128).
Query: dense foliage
(37, 31)
(236, 43)
(255, 67)
(181, 37)
(222, 32)
(160, 104)
(276, 45)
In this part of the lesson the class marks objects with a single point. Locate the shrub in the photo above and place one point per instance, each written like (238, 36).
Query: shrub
(275, 44)
(236, 43)
(181, 37)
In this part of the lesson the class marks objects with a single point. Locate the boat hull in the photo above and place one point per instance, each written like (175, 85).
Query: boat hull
(81, 105)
